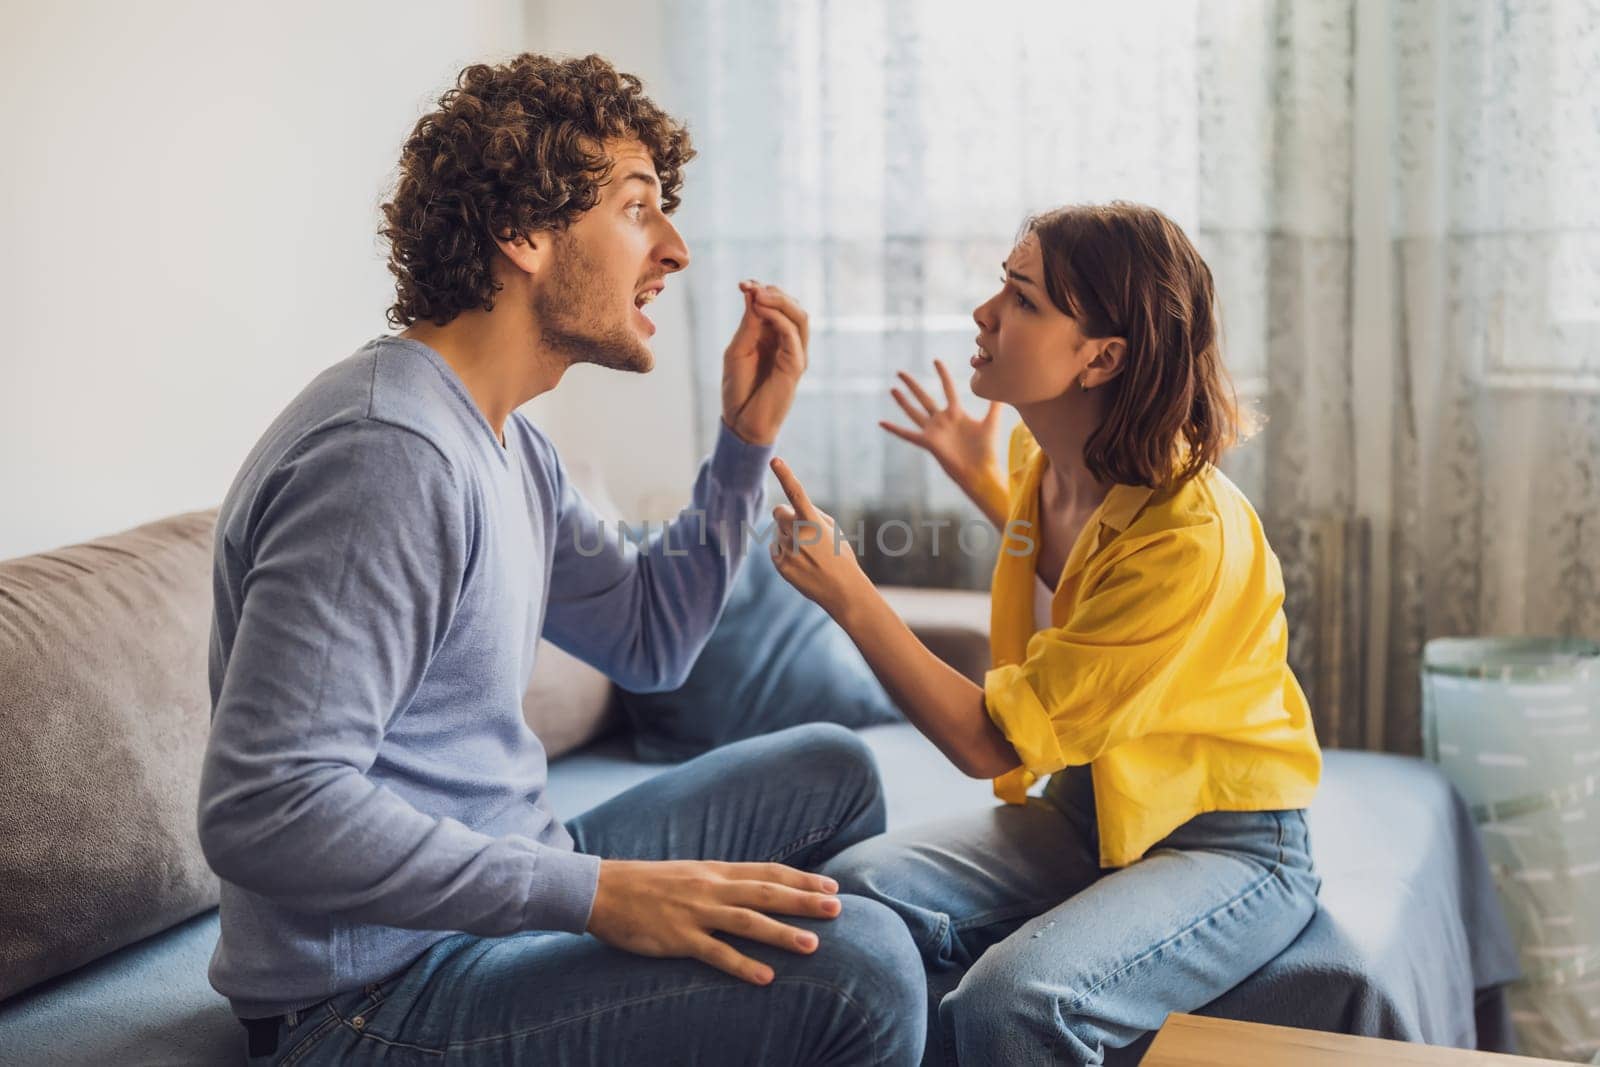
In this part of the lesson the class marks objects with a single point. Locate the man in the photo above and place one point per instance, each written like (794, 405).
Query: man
(393, 878)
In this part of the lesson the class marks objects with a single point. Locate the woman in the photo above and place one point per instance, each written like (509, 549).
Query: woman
(1139, 647)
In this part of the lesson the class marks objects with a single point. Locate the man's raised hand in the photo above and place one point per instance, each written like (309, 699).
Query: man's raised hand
(763, 363)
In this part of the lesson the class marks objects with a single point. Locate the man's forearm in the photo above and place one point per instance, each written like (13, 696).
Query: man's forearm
(670, 588)
(936, 698)
(322, 840)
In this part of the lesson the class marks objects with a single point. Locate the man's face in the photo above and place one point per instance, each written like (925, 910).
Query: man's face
(608, 265)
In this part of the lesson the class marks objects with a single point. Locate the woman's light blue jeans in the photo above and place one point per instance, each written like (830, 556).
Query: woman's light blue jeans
(1037, 955)
(795, 797)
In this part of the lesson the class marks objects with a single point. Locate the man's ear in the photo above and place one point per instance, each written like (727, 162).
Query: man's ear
(1108, 362)
(527, 252)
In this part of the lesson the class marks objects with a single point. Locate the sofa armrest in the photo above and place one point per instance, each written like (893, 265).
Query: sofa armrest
(953, 623)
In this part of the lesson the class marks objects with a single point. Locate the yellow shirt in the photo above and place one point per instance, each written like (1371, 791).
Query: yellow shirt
(1165, 667)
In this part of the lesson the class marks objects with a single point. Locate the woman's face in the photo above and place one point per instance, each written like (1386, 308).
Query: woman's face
(1029, 351)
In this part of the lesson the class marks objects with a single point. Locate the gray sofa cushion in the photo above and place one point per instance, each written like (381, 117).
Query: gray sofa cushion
(568, 703)
(103, 710)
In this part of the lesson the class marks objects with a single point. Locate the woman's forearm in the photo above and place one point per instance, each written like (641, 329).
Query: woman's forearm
(987, 489)
(936, 698)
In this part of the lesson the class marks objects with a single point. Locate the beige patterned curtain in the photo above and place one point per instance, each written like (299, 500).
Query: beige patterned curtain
(1496, 252)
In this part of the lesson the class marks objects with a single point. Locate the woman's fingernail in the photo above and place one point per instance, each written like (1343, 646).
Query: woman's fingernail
(806, 940)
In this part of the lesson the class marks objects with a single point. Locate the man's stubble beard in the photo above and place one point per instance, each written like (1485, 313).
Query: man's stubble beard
(573, 328)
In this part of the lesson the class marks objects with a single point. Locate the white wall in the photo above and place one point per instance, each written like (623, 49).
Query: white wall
(188, 208)
(188, 211)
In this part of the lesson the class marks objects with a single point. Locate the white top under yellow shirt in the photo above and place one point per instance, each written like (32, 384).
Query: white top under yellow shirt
(1164, 667)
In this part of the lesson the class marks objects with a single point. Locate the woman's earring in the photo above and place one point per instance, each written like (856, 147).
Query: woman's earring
(1083, 383)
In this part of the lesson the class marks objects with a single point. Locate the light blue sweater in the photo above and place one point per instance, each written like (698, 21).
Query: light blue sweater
(383, 570)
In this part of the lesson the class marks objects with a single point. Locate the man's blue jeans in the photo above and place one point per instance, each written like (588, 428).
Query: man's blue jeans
(1036, 955)
(795, 797)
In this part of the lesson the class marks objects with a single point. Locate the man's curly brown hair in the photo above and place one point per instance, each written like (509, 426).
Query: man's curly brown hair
(512, 149)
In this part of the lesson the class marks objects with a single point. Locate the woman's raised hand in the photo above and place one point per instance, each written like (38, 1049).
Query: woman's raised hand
(963, 445)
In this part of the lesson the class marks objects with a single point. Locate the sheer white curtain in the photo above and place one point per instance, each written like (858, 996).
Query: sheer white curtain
(876, 157)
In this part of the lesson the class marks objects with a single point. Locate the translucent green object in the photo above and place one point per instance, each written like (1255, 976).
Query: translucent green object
(1515, 724)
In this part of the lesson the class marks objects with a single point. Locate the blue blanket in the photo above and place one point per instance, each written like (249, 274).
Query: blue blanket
(1409, 941)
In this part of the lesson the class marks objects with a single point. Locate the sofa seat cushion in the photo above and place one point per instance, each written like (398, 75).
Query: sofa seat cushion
(148, 1005)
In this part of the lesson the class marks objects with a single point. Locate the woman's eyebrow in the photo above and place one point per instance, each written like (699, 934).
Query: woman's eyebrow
(1019, 277)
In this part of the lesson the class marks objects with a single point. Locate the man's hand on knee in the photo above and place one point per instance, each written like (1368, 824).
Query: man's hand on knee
(675, 908)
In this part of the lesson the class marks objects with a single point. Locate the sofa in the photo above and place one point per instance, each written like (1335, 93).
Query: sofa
(108, 911)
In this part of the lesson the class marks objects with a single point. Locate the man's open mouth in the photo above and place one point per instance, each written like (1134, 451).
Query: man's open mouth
(640, 299)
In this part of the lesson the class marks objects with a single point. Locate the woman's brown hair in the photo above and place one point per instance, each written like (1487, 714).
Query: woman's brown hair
(511, 149)
(1126, 270)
